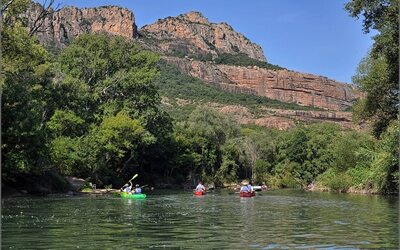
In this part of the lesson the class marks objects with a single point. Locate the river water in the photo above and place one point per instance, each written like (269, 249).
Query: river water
(282, 219)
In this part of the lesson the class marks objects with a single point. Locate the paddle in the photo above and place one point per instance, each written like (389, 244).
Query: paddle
(136, 175)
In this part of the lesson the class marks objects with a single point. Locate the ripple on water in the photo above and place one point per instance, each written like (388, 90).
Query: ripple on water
(273, 220)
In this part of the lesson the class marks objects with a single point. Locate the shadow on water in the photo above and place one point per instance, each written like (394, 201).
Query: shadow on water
(278, 219)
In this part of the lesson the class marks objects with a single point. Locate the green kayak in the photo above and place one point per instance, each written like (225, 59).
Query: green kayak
(133, 196)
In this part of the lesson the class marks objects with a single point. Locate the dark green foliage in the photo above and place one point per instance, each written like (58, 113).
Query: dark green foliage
(109, 69)
(26, 89)
(109, 84)
(65, 123)
(303, 152)
(385, 161)
(378, 76)
(378, 73)
(345, 150)
(92, 113)
(336, 181)
(202, 137)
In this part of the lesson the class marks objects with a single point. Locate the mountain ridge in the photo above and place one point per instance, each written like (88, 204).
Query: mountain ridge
(205, 50)
(192, 33)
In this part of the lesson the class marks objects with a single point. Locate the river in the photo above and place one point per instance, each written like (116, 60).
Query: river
(281, 219)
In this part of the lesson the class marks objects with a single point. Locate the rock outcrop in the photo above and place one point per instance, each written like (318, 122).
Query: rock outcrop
(193, 34)
(283, 85)
(61, 26)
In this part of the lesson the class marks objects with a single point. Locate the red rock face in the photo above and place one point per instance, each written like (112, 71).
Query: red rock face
(192, 33)
(283, 85)
(62, 26)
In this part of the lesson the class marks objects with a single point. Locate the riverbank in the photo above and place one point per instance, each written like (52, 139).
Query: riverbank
(72, 186)
(351, 190)
(101, 192)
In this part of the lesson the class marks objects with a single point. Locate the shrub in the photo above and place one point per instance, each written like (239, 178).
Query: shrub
(360, 177)
(339, 182)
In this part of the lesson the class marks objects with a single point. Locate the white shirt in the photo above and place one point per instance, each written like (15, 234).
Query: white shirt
(200, 187)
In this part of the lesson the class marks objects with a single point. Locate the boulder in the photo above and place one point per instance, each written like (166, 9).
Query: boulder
(76, 183)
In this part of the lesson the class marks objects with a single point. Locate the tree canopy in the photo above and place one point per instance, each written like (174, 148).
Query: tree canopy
(378, 73)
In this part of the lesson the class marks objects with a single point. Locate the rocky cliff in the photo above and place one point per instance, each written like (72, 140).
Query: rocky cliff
(193, 34)
(283, 85)
(61, 26)
(191, 37)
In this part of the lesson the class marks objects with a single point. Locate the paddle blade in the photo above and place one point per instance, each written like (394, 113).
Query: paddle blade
(136, 175)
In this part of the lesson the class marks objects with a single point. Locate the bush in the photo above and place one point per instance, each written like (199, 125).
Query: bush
(385, 170)
(289, 181)
(339, 182)
(360, 177)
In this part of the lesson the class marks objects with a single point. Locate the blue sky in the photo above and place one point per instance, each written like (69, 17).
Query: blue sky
(313, 36)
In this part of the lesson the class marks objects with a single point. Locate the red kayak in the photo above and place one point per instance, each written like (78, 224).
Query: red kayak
(246, 194)
(199, 193)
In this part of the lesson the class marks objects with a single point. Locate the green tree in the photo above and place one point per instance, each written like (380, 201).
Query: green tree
(344, 150)
(26, 85)
(385, 170)
(116, 73)
(303, 152)
(99, 77)
(378, 73)
(65, 123)
(109, 147)
(65, 154)
(205, 132)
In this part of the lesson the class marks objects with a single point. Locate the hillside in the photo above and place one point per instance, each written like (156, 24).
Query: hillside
(182, 94)
(218, 56)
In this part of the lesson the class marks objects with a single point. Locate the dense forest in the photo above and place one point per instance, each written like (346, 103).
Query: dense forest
(93, 110)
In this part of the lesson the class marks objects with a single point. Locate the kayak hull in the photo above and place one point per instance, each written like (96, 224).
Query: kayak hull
(246, 194)
(199, 193)
(133, 196)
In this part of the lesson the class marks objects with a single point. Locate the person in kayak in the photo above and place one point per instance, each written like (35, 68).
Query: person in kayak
(246, 188)
(128, 188)
(200, 187)
(137, 190)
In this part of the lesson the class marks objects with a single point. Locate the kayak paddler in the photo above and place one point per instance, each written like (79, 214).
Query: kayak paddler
(127, 188)
(246, 187)
(200, 187)
(137, 190)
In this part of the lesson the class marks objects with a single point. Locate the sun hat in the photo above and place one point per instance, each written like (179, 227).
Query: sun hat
(245, 182)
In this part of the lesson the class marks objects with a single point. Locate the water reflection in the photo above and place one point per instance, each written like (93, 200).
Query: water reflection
(283, 219)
